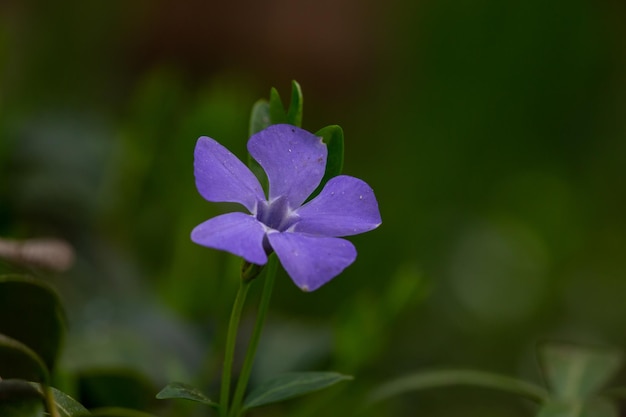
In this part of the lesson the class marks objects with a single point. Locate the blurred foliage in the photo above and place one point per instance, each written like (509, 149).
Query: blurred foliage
(31, 313)
(492, 132)
(19, 399)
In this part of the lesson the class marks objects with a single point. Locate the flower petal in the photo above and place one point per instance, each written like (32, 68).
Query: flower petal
(346, 206)
(221, 177)
(238, 233)
(293, 159)
(312, 261)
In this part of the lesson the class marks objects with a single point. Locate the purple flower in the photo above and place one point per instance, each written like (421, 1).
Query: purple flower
(305, 236)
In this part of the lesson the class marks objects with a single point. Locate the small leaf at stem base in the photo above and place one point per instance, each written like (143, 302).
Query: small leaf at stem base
(180, 390)
(291, 385)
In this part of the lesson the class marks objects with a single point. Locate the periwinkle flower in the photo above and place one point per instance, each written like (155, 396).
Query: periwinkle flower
(305, 236)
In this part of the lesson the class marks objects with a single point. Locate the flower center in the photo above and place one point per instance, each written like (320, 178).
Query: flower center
(276, 214)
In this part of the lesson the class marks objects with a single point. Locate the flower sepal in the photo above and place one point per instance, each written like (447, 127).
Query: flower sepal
(250, 271)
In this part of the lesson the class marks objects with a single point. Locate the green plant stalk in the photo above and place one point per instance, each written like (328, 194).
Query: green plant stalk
(49, 400)
(229, 352)
(246, 369)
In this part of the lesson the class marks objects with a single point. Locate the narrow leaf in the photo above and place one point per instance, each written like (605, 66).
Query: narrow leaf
(449, 378)
(333, 138)
(259, 120)
(66, 405)
(575, 373)
(259, 117)
(277, 110)
(291, 385)
(186, 392)
(294, 115)
(18, 391)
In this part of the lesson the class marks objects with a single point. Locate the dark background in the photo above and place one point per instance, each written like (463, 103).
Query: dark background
(493, 133)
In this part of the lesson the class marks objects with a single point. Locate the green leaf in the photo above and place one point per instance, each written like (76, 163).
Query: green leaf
(291, 385)
(67, 406)
(20, 399)
(598, 407)
(259, 120)
(266, 113)
(575, 373)
(277, 110)
(31, 312)
(333, 138)
(449, 378)
(18, 392)
(186, 392)
(260, 116)
(294, 114)
(19, 361)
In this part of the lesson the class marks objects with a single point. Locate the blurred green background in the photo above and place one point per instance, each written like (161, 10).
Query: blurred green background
(493, 133)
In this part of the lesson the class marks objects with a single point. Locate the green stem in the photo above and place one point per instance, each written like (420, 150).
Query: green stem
(49, 400)
(246, 369)
(229, 353)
